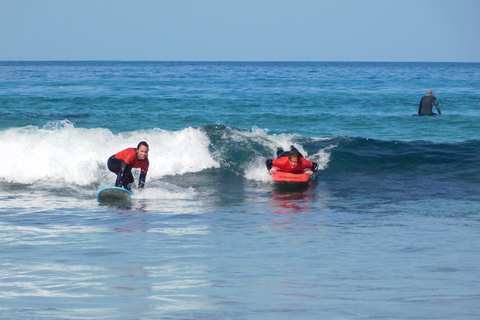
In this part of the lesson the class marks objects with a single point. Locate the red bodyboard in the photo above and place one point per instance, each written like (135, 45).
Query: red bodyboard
(280, 176)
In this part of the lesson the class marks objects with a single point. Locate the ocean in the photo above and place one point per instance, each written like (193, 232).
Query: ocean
(388, 229)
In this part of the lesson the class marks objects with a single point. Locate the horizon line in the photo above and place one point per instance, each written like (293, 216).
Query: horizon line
(241, 61)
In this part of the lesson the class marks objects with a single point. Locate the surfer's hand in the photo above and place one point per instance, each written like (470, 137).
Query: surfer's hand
(273, 170)
(309, 172)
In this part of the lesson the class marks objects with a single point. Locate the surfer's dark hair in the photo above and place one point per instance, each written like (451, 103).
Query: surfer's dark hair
(143, 143)
(295, 154)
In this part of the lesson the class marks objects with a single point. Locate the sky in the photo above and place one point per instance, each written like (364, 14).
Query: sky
(241, 30)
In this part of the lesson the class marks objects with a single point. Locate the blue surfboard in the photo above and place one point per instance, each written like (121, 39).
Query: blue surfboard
(114, 194)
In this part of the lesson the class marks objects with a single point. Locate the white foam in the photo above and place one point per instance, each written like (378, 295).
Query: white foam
(258, 171)
(322, 157)
(61, 152)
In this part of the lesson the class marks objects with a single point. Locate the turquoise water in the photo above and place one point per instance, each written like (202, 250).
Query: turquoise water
(388, 230)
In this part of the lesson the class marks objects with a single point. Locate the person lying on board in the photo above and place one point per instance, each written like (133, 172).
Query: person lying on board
(122, 163)
(291, 161)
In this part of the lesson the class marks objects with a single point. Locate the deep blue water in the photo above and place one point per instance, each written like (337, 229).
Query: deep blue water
(388, 230)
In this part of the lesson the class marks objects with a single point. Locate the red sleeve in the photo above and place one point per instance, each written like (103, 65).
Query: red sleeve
(306, 163)
(144, 165)
(281, 163)
(275, 162)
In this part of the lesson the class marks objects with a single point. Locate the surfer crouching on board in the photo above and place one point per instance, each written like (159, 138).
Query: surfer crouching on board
(122, 163)
(291, 161)
(426, 104)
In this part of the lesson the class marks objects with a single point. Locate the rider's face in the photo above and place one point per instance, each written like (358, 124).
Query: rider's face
(142, 152)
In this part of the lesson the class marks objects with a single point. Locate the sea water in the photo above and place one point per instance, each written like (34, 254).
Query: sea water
(388, 230)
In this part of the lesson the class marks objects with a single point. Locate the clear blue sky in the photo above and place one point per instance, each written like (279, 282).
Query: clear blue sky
(241, 30)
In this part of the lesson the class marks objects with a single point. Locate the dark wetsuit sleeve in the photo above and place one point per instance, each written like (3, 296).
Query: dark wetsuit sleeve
(420, 108)
(141, 179)
(315, 166)
(436, 106)
(269, 164)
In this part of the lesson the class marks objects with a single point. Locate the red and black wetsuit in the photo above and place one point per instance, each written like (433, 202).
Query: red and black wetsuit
(122, 163)
(283, 163)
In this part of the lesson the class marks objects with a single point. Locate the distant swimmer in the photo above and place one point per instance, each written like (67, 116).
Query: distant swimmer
(122, 163)
(291, 161)
(426, 104)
